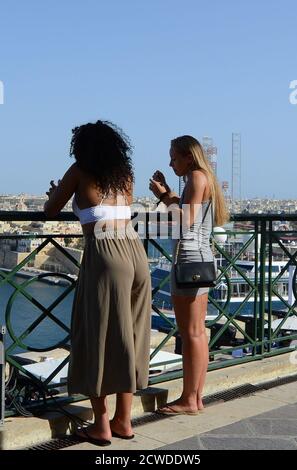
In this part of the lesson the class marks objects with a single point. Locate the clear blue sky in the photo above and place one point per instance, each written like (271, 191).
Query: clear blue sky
(158, 69)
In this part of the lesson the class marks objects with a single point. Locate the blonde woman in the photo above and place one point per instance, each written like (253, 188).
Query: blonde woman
(201, 198)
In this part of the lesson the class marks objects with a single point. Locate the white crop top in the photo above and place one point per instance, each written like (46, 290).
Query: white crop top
(101, 212)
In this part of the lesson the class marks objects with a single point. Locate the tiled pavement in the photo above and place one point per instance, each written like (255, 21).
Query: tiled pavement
(276, 429)
(264, 420)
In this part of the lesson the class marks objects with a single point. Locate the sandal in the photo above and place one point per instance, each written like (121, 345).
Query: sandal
(171, 411)
(120, 436)
(92, 440)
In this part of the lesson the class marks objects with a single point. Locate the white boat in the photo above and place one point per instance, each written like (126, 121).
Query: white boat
(30, 273)
(240, 288)
(42, 369)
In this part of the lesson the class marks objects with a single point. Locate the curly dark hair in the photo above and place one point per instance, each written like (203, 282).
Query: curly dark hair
(102, 150)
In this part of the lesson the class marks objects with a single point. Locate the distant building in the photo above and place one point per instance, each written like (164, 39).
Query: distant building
(210, 151)
(26, 245)
(225, 188)
(21, 206)
(181, 185)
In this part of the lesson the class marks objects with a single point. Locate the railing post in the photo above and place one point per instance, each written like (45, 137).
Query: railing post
(146, 235)
(262, 286)
(269, 287)
(2, 376)
(256, 284)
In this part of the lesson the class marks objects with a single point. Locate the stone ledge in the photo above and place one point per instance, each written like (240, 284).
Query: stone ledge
(20, 432)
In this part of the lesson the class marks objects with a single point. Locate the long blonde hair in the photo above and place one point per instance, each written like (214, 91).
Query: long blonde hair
(187, 144)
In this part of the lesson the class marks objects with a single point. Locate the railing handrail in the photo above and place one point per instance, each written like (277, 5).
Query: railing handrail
(68, 216)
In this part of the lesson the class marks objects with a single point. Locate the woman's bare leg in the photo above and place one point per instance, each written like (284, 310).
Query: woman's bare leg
(190, 316)
(121, 422)
(205, 360)
(100, 429)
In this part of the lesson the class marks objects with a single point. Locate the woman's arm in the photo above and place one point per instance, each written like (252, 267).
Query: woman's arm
(158, 177)
(162, 189)
(170, 197)
(193, 197)
(60, 195)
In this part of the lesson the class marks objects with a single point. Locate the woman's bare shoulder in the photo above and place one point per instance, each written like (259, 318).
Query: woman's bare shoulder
(81, 176)
(75, 170)
(198, 177)
(199, 174)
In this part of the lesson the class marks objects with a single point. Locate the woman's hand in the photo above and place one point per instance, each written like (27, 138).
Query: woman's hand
(158, 176)
(52, 188)
(157, 188)
(60, 193)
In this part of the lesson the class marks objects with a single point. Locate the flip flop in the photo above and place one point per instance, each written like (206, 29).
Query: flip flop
(92, 440)
(120, 436)
(171, 411)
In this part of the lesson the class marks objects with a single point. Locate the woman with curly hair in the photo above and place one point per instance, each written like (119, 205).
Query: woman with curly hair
(110, 325)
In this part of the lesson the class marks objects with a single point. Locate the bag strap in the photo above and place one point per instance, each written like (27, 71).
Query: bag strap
(212, 223)
(205, 213)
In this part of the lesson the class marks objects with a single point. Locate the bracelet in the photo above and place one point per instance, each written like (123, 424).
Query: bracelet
(163, 195)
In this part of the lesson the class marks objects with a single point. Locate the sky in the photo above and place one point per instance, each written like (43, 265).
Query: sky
(158, 69)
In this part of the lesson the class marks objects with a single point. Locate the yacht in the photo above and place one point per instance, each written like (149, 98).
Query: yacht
(240, 289)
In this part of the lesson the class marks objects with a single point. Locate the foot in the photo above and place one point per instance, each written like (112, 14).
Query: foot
(94, 432)
(178, 407)
(121, 429)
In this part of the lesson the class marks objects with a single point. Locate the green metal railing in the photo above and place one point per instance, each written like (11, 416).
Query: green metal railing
(255, 337)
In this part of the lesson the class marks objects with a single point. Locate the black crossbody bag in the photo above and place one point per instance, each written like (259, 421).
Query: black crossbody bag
(196, 274)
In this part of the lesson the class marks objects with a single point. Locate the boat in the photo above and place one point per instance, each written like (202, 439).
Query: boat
(50, 278)
(240, 288)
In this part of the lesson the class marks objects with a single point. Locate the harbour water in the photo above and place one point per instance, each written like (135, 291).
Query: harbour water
(47, 334)
(23, 313)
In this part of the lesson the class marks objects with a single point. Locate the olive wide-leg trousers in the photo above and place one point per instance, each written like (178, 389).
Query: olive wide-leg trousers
(111, 317)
